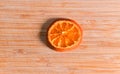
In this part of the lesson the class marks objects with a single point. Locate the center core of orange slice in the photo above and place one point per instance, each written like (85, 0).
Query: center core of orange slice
(64, 34)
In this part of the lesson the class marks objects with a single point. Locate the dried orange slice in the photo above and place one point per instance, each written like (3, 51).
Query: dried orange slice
(64, 34)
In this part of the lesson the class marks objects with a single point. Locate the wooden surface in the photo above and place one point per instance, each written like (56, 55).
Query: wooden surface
(23, 47)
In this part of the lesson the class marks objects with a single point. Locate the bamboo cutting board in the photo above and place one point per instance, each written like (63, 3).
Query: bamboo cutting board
(23, 46)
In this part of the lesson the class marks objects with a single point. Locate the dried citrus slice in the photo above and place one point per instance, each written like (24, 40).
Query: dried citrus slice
(64, 34)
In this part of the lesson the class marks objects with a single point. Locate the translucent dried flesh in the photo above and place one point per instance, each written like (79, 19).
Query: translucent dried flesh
(64, 34)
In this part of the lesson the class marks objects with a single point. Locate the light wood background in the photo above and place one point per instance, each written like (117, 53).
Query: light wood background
(23, 25)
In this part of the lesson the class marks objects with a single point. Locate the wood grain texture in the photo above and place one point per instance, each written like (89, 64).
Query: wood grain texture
(23, 26)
